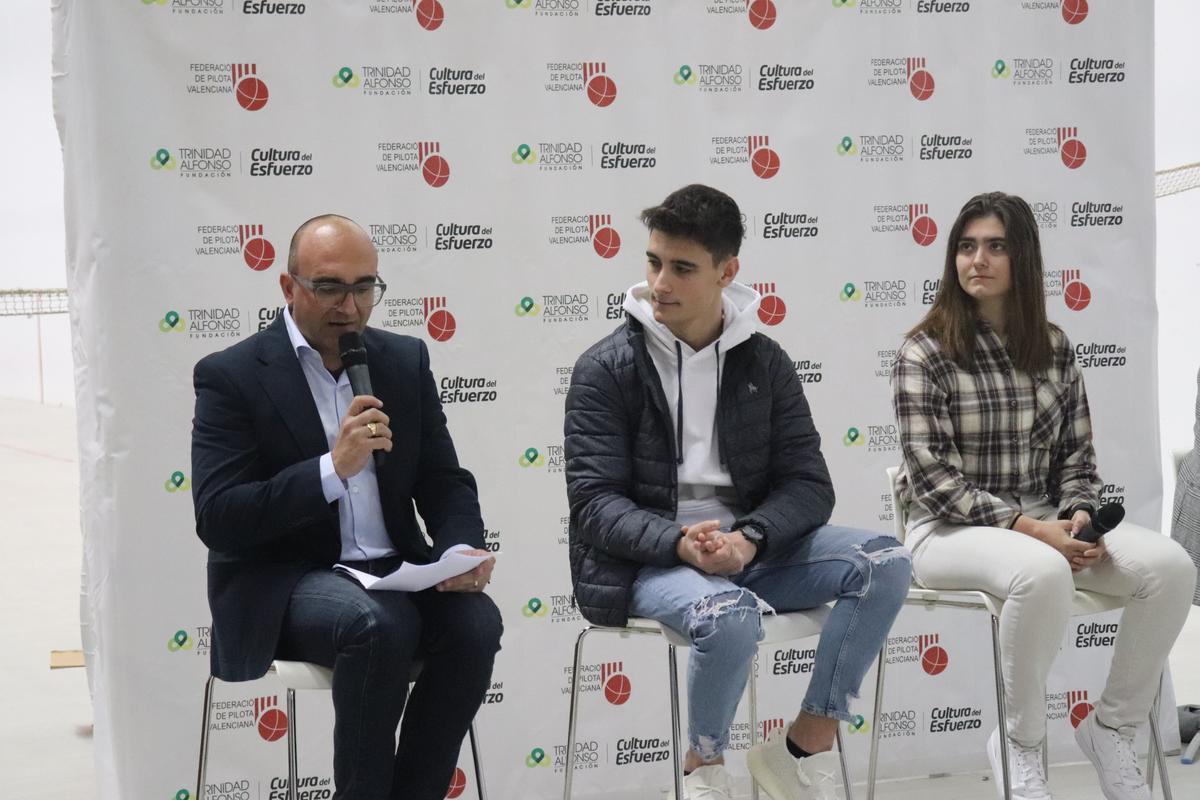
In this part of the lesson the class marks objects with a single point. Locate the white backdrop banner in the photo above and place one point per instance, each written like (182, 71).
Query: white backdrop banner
(498, 152)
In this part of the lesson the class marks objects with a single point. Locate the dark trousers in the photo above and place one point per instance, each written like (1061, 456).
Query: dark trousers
(371, 639)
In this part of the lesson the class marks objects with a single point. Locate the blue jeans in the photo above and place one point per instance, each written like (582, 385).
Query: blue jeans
(370, 639)
(868, 575)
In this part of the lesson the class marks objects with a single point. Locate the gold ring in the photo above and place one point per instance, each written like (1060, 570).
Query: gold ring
(372, 427)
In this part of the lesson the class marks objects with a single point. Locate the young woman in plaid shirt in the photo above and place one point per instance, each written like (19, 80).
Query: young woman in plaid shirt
(999, 472)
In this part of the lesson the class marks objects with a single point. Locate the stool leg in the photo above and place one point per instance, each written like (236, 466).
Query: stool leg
(477, 760)
(1156, 749)
(202, 769)
(842, 761)
(874, 759)
(1001, 707)
(293, 758)
(574, 718)
(753, 701)
(676, 756)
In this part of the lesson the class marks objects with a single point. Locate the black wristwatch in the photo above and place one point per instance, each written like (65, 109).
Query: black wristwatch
(753, 533)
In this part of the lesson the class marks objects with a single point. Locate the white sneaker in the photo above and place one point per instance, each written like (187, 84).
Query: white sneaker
(1111, 753)
(1024, 770)
(707, 783)
(785, 777)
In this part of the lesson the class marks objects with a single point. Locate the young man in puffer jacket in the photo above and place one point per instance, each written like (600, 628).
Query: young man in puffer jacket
(699, 498)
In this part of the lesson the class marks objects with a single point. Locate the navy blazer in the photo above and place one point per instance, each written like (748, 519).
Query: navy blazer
(256, 483)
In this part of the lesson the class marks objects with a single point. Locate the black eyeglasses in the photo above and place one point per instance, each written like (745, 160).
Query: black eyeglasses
(331, 294)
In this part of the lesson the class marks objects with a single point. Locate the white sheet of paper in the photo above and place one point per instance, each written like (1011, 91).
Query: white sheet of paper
(415, 577)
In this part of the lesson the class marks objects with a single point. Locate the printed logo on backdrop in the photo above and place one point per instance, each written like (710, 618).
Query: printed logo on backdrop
(467, 389)
(547, 8)
(785, 78)
(877, 438)
(924, 649)
(1025, 71)
(761, 14)
(196, 642)
(376, 80)
(407, 312)
(1095, 70)
(899, 723)
(641, 750)
(577, 229)
(248, 241)
(739, 732)
(462, 236)
(911, 218)
(793, 661)
(1072, 705)
(1095, 634)
(1094, 214)
(255, 7)
(607, 678)
(458, 784)
(452, 82)
(557, 156)
(955, 719)
(588, 77)
(1064, 142)
(874, 148)
(549, 457)
(494, 694)
(425, 157)
(753, 150)
(177, 482)
(910, 72)
(204, 323)
(394, 237)
(240, 80)
(557, 608)
(883, 363)
(194, 162)
(859, 724)
(586, 756)
(557, 309)
(790, 225)
(1112, 492)
(945, 147)
(872, 7)
(1076, 294)
(628, 155)
(430, 14)
(624, 8)
(1101, 355)
(771, 308)
(876, 294)
(1045, 212)
(267, 315)
(711, 78)
(190, 7)
(274, 162)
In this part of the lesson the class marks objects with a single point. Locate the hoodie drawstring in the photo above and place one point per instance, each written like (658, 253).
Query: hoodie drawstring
(679, 404)
(717, 408)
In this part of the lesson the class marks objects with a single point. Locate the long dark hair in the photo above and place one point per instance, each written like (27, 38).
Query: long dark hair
(952, 319)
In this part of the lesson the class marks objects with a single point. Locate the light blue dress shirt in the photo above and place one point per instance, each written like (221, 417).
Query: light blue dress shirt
(360, 514)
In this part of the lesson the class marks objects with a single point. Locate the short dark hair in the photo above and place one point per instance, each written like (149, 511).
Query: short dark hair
(703, 214)
(951, 320)
(293, 262)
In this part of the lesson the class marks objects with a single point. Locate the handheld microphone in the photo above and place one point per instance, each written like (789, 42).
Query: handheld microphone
(1107, 517)
(354, 359)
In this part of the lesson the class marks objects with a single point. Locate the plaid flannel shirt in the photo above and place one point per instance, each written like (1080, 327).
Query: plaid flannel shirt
(969, 438)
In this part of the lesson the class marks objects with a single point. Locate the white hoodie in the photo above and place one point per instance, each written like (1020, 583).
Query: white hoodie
(690, 381)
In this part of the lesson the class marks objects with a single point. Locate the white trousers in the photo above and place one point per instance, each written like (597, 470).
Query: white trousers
(1149, 571)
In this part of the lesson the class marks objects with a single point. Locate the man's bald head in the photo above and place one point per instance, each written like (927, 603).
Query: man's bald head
(319, 230)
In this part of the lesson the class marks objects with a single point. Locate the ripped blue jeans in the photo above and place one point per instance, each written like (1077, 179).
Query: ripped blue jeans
(866, 574)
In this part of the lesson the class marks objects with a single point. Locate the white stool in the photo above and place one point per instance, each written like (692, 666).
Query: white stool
(1083, 603)
(297, 676)
(776, 628)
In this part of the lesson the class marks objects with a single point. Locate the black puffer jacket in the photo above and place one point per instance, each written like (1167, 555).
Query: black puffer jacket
(621, 480)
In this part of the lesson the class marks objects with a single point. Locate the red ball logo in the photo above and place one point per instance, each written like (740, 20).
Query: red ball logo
(1077, 295)
(430, 14)
(251, 93)
(441, 325)
(436, 171)
(772, 310)
(259, 254)
(1079, 713)
(935, 660)
(1074, 11)
(924, 231)
(617, 689)
(765, 163)
(920, 83)
(458, 784)
(762, 14)
(272, 724)
(1073, 153)
(601, 90)
(606, 242)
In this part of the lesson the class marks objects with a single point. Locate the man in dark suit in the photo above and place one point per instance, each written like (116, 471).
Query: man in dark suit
(285, 485)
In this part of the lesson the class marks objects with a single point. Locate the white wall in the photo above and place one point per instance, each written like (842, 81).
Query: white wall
(31, 214)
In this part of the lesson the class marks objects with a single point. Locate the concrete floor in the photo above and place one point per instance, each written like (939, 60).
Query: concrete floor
(45, 717)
